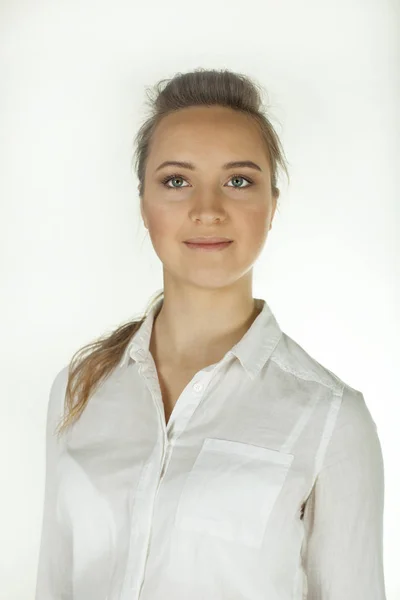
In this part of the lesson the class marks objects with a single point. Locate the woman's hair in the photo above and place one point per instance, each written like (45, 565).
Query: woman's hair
(94, 362)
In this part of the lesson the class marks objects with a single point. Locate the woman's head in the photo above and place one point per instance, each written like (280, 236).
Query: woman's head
(207, 118)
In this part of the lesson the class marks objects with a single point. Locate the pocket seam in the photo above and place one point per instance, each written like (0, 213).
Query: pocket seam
(243, 448)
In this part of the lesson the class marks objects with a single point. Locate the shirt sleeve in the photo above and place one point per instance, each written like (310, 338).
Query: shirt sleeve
(343, 516)
(54, 574)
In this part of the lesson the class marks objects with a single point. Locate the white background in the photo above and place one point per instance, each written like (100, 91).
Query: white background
(76, 260)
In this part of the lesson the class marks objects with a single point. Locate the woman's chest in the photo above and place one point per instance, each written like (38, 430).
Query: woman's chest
(173, 381)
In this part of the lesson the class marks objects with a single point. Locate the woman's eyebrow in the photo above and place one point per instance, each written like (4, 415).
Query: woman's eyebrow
(229, 165)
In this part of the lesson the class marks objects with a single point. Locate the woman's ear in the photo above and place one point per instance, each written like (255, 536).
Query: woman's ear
(274, 205)
(142, 213)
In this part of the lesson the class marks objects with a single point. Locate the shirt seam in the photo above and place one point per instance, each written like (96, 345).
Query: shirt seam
(305, 376)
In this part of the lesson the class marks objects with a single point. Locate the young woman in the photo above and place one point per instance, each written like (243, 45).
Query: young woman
(200, 452)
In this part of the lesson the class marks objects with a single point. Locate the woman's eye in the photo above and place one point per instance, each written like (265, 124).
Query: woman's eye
(244, 179)
(174, 177)
(177, 177)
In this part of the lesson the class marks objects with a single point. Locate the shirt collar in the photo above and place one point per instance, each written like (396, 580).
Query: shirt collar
(253, 350)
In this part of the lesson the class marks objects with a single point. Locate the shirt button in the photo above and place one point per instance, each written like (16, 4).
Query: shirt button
(198, 387)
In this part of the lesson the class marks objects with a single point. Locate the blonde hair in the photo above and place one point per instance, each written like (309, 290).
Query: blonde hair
(92, 363)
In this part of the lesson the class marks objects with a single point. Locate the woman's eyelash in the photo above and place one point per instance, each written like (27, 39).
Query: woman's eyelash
(177, 176)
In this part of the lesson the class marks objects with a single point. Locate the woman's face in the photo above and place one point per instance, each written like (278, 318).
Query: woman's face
(209, 200)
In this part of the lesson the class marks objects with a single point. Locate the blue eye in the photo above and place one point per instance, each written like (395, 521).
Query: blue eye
(177, 176)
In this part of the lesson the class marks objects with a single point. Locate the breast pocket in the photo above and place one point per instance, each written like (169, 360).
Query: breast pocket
(231, 490)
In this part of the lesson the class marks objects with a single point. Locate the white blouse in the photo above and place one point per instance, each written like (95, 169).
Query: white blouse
(267, 483)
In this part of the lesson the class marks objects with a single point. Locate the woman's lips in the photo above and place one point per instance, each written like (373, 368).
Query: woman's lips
(208, 247)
